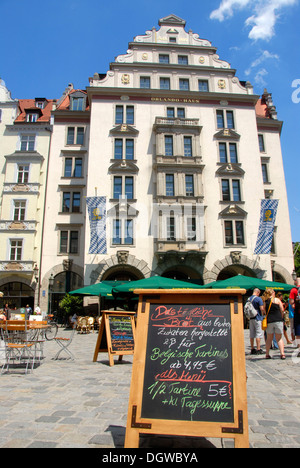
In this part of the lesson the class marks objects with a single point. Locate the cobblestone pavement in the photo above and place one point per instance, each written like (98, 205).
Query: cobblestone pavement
(83, 404)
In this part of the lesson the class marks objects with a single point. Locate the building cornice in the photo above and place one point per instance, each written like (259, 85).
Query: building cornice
(160, 95)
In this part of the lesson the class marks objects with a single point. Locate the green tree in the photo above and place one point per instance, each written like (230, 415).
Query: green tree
(297, 257)
(70, 305)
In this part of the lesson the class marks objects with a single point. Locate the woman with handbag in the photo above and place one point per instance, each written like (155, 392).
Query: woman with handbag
(274, 319)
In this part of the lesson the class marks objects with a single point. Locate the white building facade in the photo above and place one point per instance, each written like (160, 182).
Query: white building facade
(181, 153)
(24, 147)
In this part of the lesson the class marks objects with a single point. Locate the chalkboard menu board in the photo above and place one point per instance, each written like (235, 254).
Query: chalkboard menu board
(189, 373)
(121, 333)
(188, 369)
(116, 335)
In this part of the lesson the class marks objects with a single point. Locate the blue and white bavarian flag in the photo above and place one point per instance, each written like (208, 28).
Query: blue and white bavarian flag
(268, 213)
(97, 214)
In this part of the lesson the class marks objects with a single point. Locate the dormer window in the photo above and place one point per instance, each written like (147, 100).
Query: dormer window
(40, 103)
(77, 101)
(32, 117)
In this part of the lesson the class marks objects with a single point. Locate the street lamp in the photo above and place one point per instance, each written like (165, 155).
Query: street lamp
(51, 283)
(294, 275)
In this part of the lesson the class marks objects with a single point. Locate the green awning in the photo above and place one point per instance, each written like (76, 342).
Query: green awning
(155, 282)
(103, 289)
(247, 282)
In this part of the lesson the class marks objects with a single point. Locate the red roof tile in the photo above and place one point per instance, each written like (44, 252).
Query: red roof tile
(30, 105)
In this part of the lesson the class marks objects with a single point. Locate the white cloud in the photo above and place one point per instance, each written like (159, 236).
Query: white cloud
(265, 55)
(226, 8)
(259, 77)
(264, 17)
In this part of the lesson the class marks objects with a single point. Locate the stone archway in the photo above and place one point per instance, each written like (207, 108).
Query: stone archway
(121, 261)
(235, 262)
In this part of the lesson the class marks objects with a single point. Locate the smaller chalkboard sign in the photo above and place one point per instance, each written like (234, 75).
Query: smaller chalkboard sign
(116, 335)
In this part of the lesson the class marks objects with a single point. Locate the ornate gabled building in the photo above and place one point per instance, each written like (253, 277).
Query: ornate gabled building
(25, 141)
(159, 167)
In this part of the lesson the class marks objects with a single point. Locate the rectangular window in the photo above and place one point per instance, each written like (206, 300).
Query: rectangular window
(170, 112)
(261, 143)
(171, 229)
(228, 233)
(168, 145)
(182, 59)
(264, 168)
(69, 242)
(19, 210)
(129, 187)
(239, 229)
(225, 190)
(188, 152)
(230, 120)
(76, 202)
(128, 239)
(27, 142)
(220, 119)
(75, 136)
(170, 185)
(129, 112)
(23, 174)
(68, 167)
(129, 149)
(203, 85)
(74, 242)
(234, 233)
(122, 232)
(119, 115)
(77, 103)
(70, 135)
(80, 136)
(16, 247)
(191, 229)
(117, 187)
(116, 232)
(181, 113)
(118, 148)
(184, 84)
(63, 248)
(233, 153)
(66, 202)
(189, 185)
(145, 82)
(164, 83)
(221, 123)
(130, 115)
(164, 58)
(78, 167)
(236, 191)
(223, 152)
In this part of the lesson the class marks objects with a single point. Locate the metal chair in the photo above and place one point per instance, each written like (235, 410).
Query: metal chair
(17, 346)
(64, 344)
(91, 322)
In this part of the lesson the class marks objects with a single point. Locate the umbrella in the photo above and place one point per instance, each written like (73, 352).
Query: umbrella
(104, 289)
(155, 282)
(247, 282)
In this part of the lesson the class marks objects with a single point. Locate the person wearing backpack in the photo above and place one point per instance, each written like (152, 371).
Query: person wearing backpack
(294, 301)
(256, 332)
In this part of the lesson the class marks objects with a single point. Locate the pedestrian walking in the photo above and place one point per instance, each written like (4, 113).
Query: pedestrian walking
(295, 304)
(285, 308)
(256, 332)
(275, 313)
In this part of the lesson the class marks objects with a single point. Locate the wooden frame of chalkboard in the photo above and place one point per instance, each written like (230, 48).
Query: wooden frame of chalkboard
(116, 335)
(189, 371)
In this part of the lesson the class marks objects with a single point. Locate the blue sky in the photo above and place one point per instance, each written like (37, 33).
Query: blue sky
(44, 45)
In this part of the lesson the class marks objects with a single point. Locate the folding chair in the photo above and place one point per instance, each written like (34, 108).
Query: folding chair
(64, 344)
(17, 347)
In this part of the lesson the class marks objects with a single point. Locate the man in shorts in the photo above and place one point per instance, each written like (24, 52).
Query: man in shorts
(256, 331)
